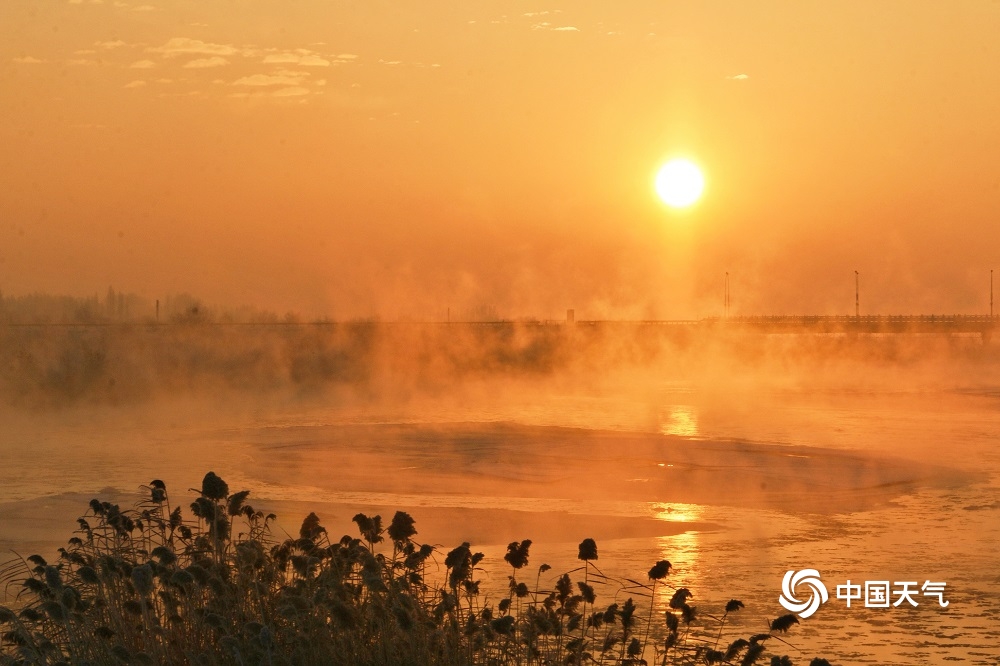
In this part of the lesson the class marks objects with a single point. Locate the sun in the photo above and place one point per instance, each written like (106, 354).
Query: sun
(679, 183)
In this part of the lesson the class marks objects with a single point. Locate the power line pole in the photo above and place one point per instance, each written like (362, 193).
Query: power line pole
(857, 300)
(726, 302)
(991, 293)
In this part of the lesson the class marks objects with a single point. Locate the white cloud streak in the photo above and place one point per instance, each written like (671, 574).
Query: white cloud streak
(294, 91)
(203, 63)
(270, 80)
(186, 46)
(302, 59)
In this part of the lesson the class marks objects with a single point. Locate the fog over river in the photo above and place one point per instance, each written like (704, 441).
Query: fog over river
(864, 470)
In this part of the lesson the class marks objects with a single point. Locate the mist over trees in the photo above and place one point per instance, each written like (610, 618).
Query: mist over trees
(118, 306)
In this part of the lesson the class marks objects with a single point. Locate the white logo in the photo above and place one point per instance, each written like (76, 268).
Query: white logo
(817, 596)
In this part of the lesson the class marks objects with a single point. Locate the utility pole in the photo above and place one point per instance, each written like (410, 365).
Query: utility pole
(726, 300)
(857, 300)
(991, 293)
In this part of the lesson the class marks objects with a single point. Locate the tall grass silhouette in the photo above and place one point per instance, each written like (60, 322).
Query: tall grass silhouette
(149, 586)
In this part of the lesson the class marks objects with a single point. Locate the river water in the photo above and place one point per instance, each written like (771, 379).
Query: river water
(734, 484)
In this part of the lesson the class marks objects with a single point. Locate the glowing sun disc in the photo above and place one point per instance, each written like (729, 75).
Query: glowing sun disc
(679, 183)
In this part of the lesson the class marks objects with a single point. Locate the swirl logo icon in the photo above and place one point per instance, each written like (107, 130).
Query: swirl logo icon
(817, 592)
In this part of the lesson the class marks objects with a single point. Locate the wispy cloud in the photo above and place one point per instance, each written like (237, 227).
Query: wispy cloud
(28, 60)
(314, 61)
(142, 64)
(110, 45)
(305, 59)
(202, 63)
(281, 58)
(186, 46)
(739, 77)
(545, 25)
(283, 79)
(293, 91)
(135, 84)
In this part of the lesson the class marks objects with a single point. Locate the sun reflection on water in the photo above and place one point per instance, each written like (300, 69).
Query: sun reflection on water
(679, 513)
(680, 421)
(683, 552)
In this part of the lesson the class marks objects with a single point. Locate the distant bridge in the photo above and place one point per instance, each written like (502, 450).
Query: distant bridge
(831, 324)
(982, 325)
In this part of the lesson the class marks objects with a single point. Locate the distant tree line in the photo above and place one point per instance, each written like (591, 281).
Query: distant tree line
(122, 307)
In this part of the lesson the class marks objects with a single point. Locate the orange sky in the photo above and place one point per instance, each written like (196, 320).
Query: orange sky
(354, 159)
